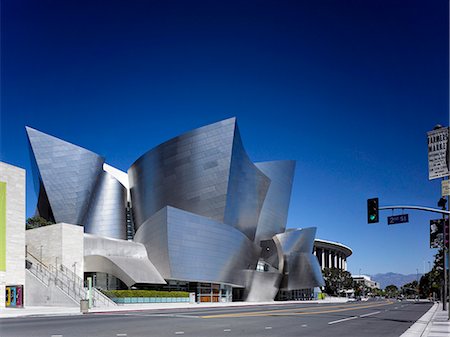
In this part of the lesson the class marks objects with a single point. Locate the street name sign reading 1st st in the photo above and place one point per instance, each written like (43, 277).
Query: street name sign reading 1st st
(392, 220)
(438, 162)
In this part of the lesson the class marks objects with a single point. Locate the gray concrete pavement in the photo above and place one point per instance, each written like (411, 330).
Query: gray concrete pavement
(433, 323)
(62, 311)
(373, 318)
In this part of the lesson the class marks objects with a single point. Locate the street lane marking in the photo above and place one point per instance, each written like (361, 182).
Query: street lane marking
(342, 320)
(121, 335)
(227, 330)
(304, 325)
(268, 328)
(289, 312)
(179, 333)
(372, 313)
(57, 336)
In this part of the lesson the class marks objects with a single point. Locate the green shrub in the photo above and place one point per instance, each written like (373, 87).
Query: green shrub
(144, 293)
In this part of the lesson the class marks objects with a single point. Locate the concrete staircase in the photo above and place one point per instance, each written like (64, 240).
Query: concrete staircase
(66, 282)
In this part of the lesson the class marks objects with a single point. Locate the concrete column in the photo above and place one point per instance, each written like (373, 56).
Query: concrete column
(323, 259)
(335, 260)
(330, 258)
(340, 261)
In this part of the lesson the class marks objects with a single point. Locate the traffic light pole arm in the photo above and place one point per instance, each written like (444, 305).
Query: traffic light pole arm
(419, 208)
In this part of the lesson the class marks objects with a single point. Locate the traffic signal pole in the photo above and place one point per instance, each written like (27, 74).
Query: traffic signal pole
(444, 212)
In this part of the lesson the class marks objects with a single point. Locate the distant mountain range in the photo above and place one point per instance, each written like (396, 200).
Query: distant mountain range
(394, 278)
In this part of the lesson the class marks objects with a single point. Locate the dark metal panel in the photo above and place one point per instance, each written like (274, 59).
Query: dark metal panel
(68, 173)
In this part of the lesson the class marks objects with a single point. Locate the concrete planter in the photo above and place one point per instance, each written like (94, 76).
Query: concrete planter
(132, 300)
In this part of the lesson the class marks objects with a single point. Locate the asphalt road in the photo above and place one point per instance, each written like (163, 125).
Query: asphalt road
(361, 319)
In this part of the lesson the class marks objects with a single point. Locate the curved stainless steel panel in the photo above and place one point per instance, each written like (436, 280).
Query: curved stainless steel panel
(247, 189)
(68, 173)
(261, 286)
(189, 247)
(189, 172)
(300, 267)
(106, 215)
(128, 261)
(274, 212)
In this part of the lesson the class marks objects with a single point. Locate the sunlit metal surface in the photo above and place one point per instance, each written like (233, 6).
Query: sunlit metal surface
(261, 286)
(106, 215)
(247, 189)
(274, 212)
(128, 261)
(189, 172)
(300, 267)
(204, 212)
(185, 246)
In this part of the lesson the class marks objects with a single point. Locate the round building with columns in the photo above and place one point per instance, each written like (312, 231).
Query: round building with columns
(331, 254)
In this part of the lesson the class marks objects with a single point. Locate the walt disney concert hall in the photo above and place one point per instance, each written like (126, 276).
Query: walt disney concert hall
(194, 213)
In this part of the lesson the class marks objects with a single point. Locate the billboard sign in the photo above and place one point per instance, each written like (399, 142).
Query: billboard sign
(438, 162)
(436, 233)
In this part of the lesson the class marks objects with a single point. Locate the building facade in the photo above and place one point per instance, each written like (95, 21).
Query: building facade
(366, 281)
(198, 215)
(331, 254)
(12, 236)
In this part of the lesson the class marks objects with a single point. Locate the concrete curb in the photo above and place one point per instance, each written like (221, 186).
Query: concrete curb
(418, 328)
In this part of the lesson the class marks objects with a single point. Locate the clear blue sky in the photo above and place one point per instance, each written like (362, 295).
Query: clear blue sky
(347, 88)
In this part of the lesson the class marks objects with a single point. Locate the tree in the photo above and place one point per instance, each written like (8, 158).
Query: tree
(336, 281)
(391, 290)
(431, 283)
(36, 222)
(410, 289)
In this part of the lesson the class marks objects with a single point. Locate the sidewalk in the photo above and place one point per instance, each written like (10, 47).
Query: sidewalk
(434, 323)
(63, 311)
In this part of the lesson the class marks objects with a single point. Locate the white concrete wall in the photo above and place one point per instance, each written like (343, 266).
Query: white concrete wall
(39, 294)
(15, 228)
(58, 244)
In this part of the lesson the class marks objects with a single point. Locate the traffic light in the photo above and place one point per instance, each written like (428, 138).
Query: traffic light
(442, 202)
(372, 210)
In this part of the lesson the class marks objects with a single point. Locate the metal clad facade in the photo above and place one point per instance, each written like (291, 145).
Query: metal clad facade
(189, 172)
(275, 209)
(68, 173)
(106, 215)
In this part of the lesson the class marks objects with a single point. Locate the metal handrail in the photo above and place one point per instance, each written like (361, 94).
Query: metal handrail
(65, 279)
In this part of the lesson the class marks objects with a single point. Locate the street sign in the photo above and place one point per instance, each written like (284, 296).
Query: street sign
(436, 233)
(438, 166)
(392, 220)
(445, 187)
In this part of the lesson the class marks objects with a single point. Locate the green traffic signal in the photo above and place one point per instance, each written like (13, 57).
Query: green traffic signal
(372, 210)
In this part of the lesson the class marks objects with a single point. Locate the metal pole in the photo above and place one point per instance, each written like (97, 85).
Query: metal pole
(448, 152)
(444, 291)
(40, 257)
